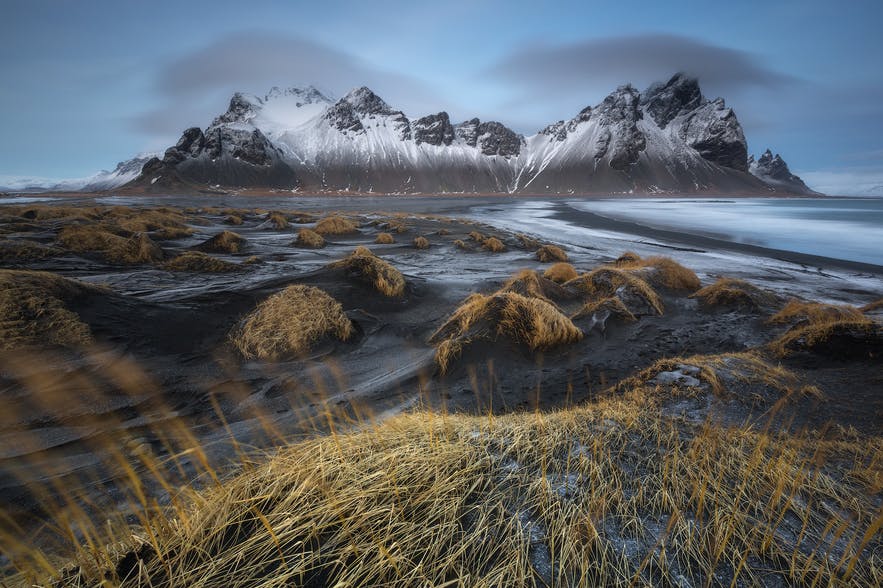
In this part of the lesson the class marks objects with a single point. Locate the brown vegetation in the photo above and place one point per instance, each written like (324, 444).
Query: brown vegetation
(871, 306)
(34, 310)
(660, 271)
(461, 244)
(606, 282)
(277, 220)
(289, 323)
(534, 322)
(612, 305)
(477, 237)
(548, 253)
(233, 220)
(223, 242)
(493, 245)
(380, 274)
(734, 292)
(528, 243)
(815, 313)
(134, 249)
(197, 261)
(309, 239)
(627, 258)
(384, 239)
(560, 272)
(532, 285)
(336, 225)
(421, 243)
(18, 250)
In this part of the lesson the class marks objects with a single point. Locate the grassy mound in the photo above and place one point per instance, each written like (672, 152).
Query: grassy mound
(19, 250)
(528, 243)
(606, 282)
(493, 245)
(34, 310)
(612, 306)
(463, 245)
(309, 239)
(336, 225)
(277, 220)
(477, 237)
(842, 339)
(197, 261)
(611, 494)
(421, 243)
(532, 285)
(384, 239)
(815, 313)
(734, 292)
(660, 271)
(385, 278)
(533, 322)
(233, 219)
(872, 306)
(548, 253)
(289, 323)
(560, 272)
(115, 248)
(223, 242)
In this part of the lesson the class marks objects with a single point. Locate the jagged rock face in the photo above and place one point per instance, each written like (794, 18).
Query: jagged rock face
(343, 117)
(365, 102)
(248, 146)
(468, 131)
(240, 110)
(191, 144)
(663, 102)
(773, 170)
(621, 140)
(497, 139)
(435, 129)
(714, 131)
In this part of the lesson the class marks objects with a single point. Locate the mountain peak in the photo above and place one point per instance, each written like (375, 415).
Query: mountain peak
(664, 102)
(365, 101)
(308, 95)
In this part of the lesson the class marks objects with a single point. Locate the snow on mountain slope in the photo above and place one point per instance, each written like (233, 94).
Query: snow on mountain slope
(123, 173)
(668, 139)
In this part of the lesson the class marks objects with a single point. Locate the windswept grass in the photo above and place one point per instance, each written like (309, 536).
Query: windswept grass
(533, 322)
(734, 292)
(421, 243)
(659, 271)
(532, 285)
(223, 242)
(493, 245)
(384, 239)
(477, 237)
(20, 250)
(626, 259)
(528, 243)
(309, 239)
(815, 313)
(871, 306)
(290, 323)
(548, 253)
(198, 262)
(613, 306)
(135, 249)
(336, 225)
(606, 282)
(560, 272)
(34, 310)
(277, 220)
(380, 274)
(860, 338)
(233, 219)
(462, 245)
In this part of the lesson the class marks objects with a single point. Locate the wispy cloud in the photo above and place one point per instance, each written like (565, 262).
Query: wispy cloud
(855, 181)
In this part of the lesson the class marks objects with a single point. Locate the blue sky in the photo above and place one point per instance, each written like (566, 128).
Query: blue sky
(87, 84)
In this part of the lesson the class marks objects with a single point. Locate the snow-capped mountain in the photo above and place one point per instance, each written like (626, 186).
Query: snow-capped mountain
(774, 171)
(123, 173)
(669, 138)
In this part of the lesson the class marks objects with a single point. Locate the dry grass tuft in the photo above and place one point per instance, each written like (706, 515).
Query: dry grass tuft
(233, 219)
(384, 239)
(613, 306)
(532, 285)
(477, 237)
(660, 271)
(336, 225)
(278, 220)
(560, 272)
(461, 244)
(606, 282)
(309, 239)
(871, 306)
(494, 245)
(534, 322)
(385, 278)
(734, 292)
(548, 253)
(223, 242)
(528, 243)
(290, 323)
(443, 232)
(171, 233)
(19, 250)
(197, 261)
(839, 338)
(134, 249)
(34, 310)
(815, 313)
(421, 243)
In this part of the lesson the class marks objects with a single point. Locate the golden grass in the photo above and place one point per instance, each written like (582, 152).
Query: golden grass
(560, 272)
(134, 249)
(605, 282)
(385, 278)
(290, 323)
(141, 220)
(548, 253)
(734, 292)
(34, 310)
(609, 494)
(171, 233)
(476, 236)
(443, 232)
(25, 250)
(871, 306)
(233, 219)
(612, 305)
(533, 322)
(815, 334)
(815, 313)
(278, 220)
(532, 285)
(309, 239)
(528, 243)
(223, 242)
(493, 245)
(197, 261)
(336, 225)
(660, 271)
(421, 243)
(461, 244)
(384, 239)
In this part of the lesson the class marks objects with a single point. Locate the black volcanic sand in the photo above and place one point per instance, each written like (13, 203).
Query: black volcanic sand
(169, 330)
